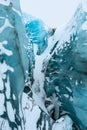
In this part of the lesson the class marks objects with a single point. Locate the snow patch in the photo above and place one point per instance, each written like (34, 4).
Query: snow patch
(64, 123)
(19, 128)
(4, 125)
(66, 95)
(3, 50)
(4, 68)
(6, 24)
(10, 112)
(41, 61)
(14, 97)
(1, 83)
(5, 2)
(31, 113)
(7, 85)
(39, 102)
(70, 90)
(2, 107)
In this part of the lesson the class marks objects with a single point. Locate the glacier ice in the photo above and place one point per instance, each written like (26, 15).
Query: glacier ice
(63, 65)
(55, 65)
(64, 123)
(66, 72)
(38, 34)
(13, 63)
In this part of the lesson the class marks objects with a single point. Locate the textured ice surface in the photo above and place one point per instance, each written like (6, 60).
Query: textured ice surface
(67, 69)
(57, 71)
(37, 120)
(37, 34)
(13, 64)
